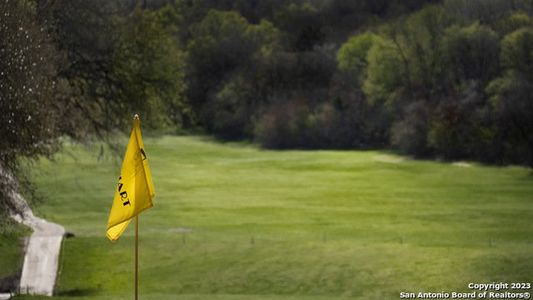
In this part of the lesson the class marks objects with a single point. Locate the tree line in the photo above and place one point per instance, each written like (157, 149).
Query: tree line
(448, 79)
(442, 79)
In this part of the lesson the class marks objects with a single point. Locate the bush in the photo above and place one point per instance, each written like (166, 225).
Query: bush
(409, 135)
(230, 110)
(284, 126)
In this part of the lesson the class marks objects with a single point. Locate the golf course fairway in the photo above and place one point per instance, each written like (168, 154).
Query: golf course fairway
(231, 221)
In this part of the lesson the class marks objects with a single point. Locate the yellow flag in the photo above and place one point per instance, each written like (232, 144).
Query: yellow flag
(135, 188)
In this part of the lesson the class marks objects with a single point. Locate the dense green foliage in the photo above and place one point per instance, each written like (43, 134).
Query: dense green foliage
(446, 77)
(450, 79)
(30, 114)
(232, 221)
(118, 59)
(81, 69)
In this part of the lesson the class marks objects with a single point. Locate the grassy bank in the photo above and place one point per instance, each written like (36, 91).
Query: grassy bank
(11, 252)
(234, 222)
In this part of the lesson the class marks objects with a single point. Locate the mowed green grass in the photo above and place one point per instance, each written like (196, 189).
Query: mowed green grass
(11, 245)
(231, 221)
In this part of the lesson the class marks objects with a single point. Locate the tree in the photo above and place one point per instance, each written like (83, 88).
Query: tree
(32, 117)
(81, 69)
(459, 125)
(352, 56)
(224, 47)
(517, 52)
(472, 53)
(512, 93)
(303, 25)
(87, 34)
(386, 71)
(149, 65)
(120, 59)
(513, 21)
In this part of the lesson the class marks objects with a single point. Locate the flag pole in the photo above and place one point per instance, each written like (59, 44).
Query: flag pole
(136, 116)
(136, 257)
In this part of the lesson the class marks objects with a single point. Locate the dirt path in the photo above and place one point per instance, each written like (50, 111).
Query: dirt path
(42, 254)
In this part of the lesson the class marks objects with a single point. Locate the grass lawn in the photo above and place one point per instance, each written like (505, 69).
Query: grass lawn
(234, 222)
(11, 246)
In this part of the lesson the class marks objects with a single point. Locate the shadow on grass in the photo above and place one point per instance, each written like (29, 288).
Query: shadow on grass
(9, 283)
(77, 292)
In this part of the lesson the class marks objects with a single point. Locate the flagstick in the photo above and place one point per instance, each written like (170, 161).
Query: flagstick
(136, 117)
(136, 256)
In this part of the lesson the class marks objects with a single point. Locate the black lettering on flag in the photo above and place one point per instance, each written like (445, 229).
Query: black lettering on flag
(123, 194)
(120, 184)
(143, 154)
(125, 200)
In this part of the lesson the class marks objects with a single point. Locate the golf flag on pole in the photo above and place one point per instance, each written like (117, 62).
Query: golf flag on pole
(135, 189)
